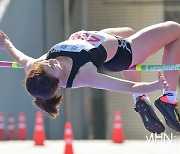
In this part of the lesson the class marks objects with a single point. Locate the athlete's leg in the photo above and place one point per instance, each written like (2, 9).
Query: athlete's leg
(143, 106)
(167, 103)
(171, 55)
(147, 42)
(133, 76)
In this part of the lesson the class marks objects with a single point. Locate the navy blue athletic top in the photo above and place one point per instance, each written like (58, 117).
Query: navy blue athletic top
(95, 55)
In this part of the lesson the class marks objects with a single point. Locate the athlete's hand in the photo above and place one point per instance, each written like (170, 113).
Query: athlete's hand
(163, 83)
(4, 40)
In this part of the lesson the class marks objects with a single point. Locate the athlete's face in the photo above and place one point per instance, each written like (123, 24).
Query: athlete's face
(52, 67)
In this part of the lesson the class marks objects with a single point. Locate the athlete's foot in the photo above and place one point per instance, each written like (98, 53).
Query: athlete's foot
(169, 111)
(149, 117)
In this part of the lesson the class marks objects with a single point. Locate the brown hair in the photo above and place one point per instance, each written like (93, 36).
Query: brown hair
(43, 87)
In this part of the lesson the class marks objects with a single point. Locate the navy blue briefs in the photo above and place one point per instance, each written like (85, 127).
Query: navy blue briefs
(122, 59)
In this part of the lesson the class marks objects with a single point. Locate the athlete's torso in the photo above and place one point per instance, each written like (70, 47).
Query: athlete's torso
(82, 47)
(89, 46)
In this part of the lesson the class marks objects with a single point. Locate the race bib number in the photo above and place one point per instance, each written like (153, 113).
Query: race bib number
(91, 37)
(72, 46)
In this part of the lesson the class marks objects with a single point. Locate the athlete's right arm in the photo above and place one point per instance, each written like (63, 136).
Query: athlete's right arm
(18, 56)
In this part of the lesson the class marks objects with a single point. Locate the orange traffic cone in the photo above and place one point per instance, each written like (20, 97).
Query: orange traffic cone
(68, 137)
(39, 132)
(117, 134)
(2, 130)
(11, 135)
(22, 132)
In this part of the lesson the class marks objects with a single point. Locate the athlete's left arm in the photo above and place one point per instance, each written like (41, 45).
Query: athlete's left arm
(102, 81)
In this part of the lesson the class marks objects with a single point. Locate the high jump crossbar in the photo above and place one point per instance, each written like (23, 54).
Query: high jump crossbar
(10, 64)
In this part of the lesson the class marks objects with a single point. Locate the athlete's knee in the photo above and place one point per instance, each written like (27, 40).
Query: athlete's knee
(173, 28)
(174, 25)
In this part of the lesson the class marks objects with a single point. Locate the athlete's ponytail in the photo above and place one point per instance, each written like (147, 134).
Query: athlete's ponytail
(50, 106)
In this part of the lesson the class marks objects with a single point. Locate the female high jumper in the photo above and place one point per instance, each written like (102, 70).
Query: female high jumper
(76, 63)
